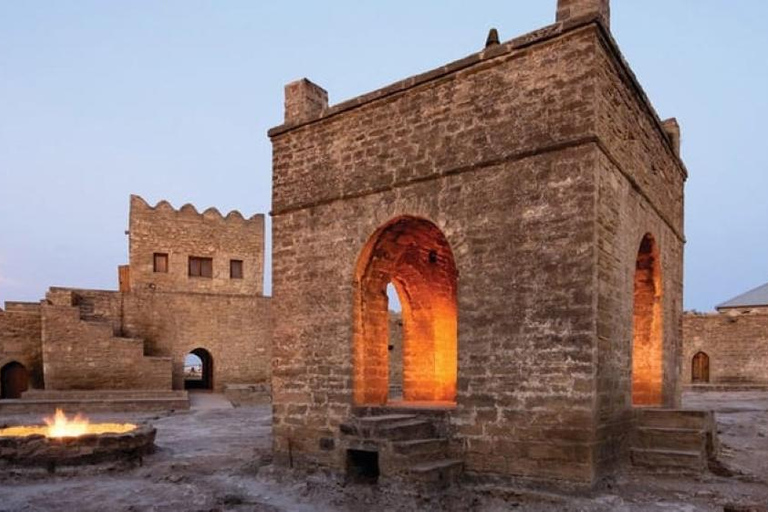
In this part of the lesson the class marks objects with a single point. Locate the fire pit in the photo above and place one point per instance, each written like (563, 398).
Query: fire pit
(65, 442)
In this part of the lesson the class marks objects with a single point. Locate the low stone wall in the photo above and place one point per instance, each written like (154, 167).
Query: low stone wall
(248, 394)
(38, 450)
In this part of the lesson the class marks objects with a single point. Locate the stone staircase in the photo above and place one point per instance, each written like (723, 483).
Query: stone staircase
(410, 445)
(84, 350)
(674, 439)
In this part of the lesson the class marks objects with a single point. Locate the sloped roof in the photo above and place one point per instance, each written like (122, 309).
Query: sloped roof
(754, 297)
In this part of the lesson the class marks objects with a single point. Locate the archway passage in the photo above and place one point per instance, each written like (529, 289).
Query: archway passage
(647, 349)
(700, 368)
(198, 370)
(413, 255)
(14, 380)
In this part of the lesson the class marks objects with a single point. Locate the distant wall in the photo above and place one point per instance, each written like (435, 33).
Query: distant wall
(234, 329)
(185, 232)
(737, 347)
(87, 355)
(20, 339)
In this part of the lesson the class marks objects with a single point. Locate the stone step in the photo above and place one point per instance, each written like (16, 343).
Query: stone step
(384, 419)
(421, 447)
(404, 430)
(442, 471)
(102, 394)
(660, 459)
(90, 405)
(677, 439)
(673, 418)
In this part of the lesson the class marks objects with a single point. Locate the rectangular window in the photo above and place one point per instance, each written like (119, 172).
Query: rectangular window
(235, 269)
(200, 267)
(160, 262)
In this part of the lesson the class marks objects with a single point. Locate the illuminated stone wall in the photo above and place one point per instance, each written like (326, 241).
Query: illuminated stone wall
(519, 156)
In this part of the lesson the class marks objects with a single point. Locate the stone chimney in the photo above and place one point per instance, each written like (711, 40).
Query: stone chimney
(572, 9)
(672, 129)
(304, 100)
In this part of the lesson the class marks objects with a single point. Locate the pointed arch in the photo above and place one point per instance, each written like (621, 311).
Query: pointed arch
(647, 333)
(414, 255)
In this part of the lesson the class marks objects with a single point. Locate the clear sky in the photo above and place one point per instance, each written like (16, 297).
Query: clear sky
(172, 100)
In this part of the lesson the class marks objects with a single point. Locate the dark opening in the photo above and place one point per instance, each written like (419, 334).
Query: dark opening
(198, 370)
(14, 380)
(363, 466)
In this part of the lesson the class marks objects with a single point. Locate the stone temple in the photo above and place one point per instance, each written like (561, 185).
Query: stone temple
(526, 202)
(526, 205)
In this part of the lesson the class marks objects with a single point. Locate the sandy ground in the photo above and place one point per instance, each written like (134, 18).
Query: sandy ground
(216, 458)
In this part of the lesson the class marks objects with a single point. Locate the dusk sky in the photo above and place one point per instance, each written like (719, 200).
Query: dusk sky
(172, 100)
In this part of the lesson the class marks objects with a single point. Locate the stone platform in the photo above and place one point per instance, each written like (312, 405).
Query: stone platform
(45, 402)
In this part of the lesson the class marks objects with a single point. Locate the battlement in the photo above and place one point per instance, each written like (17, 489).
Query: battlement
(184, 250)
(189, 212)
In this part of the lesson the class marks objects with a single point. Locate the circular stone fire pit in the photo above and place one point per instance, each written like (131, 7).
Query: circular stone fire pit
(97, 442)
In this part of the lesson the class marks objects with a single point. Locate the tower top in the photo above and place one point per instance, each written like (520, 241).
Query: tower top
(571, 9)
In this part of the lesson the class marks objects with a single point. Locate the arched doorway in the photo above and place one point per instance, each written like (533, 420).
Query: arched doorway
(14, 380)
(700, 368)
(198, 370)
(647, 349)
(413, 255)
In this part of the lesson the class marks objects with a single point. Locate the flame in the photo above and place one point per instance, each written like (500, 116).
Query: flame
(60, 426)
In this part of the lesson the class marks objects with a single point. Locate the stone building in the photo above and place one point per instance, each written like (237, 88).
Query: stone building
(729, 348)
(527, 204)
(194, 284)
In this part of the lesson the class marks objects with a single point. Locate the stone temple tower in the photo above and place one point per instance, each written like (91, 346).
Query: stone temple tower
(526, 202)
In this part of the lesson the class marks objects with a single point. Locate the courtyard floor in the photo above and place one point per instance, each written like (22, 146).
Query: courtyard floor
(216, 458)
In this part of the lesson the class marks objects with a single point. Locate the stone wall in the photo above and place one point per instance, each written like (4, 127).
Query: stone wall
(87, 355)
(20, 339)
(185, 232)
(737, 347)
(640, 191)
(512, 155)
(234, 329)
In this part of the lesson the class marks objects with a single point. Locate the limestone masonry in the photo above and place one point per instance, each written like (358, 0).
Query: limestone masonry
(169, 305)
(527, 204)
(728, 349)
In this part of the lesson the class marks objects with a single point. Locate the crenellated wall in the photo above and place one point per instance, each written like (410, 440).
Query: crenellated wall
(185, 232)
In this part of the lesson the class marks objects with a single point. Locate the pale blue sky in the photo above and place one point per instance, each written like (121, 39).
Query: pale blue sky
(172, 100)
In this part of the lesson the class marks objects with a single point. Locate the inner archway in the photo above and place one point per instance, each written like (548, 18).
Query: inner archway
(198, 370)
(14, 380)
(413, 255)
(647, 344)
(700, 368)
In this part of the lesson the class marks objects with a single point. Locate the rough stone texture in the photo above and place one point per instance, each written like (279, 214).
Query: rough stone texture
(185, 232)
(138, 337)
(20, 339)
(519, 155)
(573, 9)
(79, 354)
(38, 450)
(234, 329)
(737, 346)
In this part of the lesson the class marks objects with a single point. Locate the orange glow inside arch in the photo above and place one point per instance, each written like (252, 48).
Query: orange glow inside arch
(414, 255)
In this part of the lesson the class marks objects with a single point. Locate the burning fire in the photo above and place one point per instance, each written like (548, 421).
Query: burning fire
(61, 426)
(58, 426)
